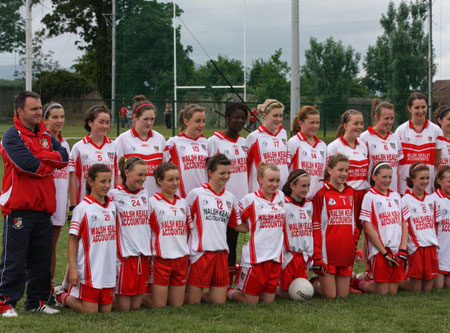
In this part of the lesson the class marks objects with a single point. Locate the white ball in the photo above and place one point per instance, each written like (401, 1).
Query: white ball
(361, 276)
(301, 289)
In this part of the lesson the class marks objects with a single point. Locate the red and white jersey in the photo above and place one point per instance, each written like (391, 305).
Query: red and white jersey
(383, 149)
(443, 229)
(358, 169)
(386, 212)
(189, 155)
(265, 219)
(298, 230)
(425, 215)
(133, 222)
(151, 151)
(170, 223)
(312, 159)
(333, 225)
(444, 143)
(211, 213)
(263, 146)
(61, 179)
(236, 151)
(95, 226)
(84, 154)
(418, 147)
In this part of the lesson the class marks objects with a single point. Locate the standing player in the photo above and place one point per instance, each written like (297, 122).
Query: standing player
(232, 145)
(213, 210)
(442, 115)
(305, 150)
(189, 149)
(54, 121)
(298, 236)
(383, 145)
(142, 141)
(442, 198)
(93, 148)
(384, 216)
(421, 257)
(333, 228)
(170, 223)
(92, 247)
(268, 144)
(133, 234)
(419, 140)
(264, 213)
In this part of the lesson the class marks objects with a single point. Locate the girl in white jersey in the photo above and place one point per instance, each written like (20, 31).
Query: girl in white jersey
(94, 148)
(260, 267)
(442, 115)
(213, 210)
(133, 234)
(232, 145)
(419, 140)
(170, 222)
(53, 114)
(92, 247)
(298, 237)
(421, 254)
(384, 216)
(142, 141)
(442, 198)
(189, 149)
(268, 144)
(383, 145)
(305, 150)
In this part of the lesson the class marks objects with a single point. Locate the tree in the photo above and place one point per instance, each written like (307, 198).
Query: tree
(398, 62)
(269, 78)
(12, 26)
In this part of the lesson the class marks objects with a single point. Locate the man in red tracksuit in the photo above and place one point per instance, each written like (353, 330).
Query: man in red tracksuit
(27, 200)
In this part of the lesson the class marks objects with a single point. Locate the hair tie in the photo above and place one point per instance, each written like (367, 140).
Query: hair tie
(441, 113)
(378, 165)
(141, 106)
(52, 106)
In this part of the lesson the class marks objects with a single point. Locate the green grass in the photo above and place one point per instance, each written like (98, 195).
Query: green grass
(406, 312)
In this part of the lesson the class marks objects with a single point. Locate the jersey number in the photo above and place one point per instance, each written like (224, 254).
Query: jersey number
(99, 157)
(195, 148)
(135, 203)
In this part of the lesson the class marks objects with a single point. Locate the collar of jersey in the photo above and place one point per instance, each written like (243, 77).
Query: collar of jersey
(261, 195)
(442, 194)
(443, 138)
(21, 127)
(135, 133)
(87, 139)
(126, 189)
(374, 190)
(207, 186)
(372, 131)
(222, 135)
(292, 201)
(184, 134)
(425, 125)
(91, 200)
(302, 137)
(160, 196)
(263, 128)
(331, 187)
(346, 143)
(415, 196)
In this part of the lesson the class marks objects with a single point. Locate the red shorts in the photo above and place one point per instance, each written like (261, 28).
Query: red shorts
(170, 272)
(340, 270)
(382, 272)
(211, 269)
(259, 278)
(86, 293)
(132, 275)
(423, 263)
(295, 269)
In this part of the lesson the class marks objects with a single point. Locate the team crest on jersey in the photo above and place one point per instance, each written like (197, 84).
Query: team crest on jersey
(229, 204)
(244, 148)
(430, 138)
(280, 203)
(309, 212)
(156, 148)
(183, 210)
(111, 155)
(396, 201)
(203, 146)
(114, 213)
(144, 200)
(393, 145)
(331, 202)
(431, 206)
(44, 143)
(322, 153)
(17, 223)
(284, 141)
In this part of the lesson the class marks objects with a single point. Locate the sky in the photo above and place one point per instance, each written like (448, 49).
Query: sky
(219, 26)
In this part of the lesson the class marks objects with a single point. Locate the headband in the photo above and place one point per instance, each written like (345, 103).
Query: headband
(379, 106)
(130, 161)
(265, 109)
(300, 176)
(419, 165)
(52, 106)
(141, 106)
(380, 164)
(441, 113)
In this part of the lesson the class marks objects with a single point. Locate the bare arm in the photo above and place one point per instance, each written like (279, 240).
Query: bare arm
(73, 189)
(72, 249)
(242, 228)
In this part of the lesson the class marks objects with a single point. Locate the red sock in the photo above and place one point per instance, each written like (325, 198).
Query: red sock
(62, 298)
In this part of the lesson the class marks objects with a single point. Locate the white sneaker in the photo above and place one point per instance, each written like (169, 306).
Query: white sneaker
(10, 313)
(58, 291)
(44, 308)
